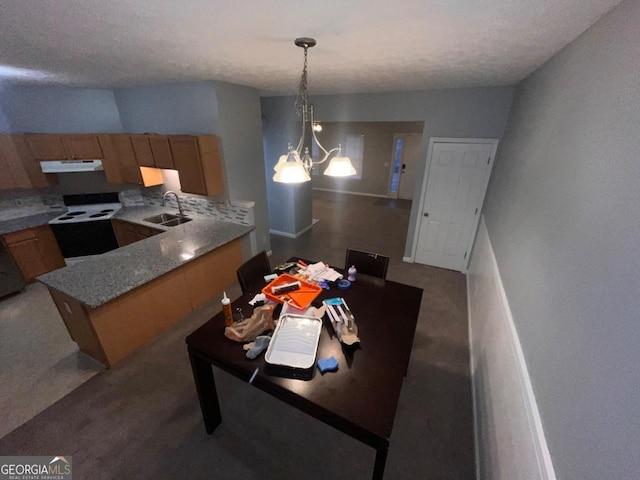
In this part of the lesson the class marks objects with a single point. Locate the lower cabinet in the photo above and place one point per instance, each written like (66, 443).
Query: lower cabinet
(34, 250)
(116, 329)
(127, 232)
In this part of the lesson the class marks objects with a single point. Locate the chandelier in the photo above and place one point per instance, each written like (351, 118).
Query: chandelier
(295, 166)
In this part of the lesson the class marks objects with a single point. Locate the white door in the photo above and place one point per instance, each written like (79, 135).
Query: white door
(456, 183)
(406, 155)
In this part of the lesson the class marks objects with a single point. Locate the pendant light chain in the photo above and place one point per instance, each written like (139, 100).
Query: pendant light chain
(302, 99)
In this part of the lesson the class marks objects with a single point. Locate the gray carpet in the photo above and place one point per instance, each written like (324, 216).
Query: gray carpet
(141, 419)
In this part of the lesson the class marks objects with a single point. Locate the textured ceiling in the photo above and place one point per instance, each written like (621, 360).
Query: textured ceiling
(363, 45)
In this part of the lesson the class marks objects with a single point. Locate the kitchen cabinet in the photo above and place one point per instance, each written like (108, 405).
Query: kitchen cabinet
(198, 162)
(161, 150)
(120, 163)
(34, 250)
(64, 147)
(142, 150)
(127, 232)
(19, 171)
(82, 147)
(107, 332)
(13, 176)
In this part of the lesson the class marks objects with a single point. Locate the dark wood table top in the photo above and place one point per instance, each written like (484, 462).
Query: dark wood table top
(361, 397)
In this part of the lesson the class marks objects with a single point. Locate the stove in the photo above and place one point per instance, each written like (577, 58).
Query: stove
(88, 207)
(85, 228)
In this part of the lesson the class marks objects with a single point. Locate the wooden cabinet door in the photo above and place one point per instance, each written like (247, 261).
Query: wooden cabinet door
(49, 249)
(12, 172)
(125, 156)
(110, 162)
(186, 158)
(142, 149)
(46, 146)
(25, 250)
(32, 167)
(34, 250)
(125, 232)
(161, 151)
(211, 161)
(82, 147)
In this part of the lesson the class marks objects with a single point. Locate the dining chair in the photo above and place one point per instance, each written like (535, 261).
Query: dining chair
(252, 271)
(367, 263)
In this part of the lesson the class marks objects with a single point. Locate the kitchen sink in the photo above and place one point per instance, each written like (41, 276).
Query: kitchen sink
(167, 219)
(176, 221)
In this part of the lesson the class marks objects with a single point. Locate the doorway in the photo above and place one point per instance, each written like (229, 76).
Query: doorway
(406, 153)
(453, 191)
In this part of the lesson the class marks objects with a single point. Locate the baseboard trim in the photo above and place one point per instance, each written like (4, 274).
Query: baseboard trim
(472, 368)
(297, 234)
(408, 260)
(538, 440)
(351, 193)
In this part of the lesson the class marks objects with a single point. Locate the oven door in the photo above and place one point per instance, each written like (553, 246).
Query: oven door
(84, 238)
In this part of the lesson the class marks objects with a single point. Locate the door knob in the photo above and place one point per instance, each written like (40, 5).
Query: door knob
(426, 214)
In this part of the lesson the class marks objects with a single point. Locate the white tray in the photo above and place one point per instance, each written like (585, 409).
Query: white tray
(294, 342)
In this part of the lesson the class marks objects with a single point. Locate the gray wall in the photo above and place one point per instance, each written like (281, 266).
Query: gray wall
(49, 109)
(563, 215)
(180, 108)
(460, 112)
(240, 128)
(289, 205)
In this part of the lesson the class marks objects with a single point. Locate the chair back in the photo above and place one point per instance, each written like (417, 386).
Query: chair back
(368, 263)
(252, 272)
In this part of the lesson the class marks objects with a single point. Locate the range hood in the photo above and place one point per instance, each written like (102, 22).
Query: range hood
(63, 166)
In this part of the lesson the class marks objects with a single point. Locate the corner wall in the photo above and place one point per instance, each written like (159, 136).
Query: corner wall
(563, 215)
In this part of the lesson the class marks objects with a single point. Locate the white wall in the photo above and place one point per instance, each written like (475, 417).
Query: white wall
(563, 215)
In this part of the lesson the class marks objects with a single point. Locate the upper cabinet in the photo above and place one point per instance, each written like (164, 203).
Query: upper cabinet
(161, 150)
(18, 170)
(126, 158)
(198, 162)
(142, 150)
(121, 165)
(64, 147)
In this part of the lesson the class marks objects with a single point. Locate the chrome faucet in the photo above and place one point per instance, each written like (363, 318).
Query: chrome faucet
(164, 197)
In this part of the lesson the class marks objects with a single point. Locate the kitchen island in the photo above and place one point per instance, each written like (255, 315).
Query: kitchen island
(114, 303)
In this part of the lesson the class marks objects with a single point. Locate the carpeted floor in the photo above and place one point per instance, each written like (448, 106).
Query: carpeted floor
(141, 419)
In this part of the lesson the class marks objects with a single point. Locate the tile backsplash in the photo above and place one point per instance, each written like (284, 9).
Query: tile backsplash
(13, 204)
(240, 212)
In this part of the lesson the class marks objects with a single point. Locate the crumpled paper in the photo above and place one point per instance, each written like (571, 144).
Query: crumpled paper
(248, 329)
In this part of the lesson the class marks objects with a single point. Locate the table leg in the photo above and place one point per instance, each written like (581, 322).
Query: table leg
(381, 459)
(207, 394)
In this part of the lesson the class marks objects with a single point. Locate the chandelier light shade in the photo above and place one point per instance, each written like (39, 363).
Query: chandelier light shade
(295, 166)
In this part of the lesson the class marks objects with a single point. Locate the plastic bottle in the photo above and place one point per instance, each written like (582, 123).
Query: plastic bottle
(226, 309)
(352, 274)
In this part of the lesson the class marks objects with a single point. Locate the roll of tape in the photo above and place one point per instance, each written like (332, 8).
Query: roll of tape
(344, 284)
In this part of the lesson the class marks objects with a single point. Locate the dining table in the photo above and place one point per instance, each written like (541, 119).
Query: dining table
(360, 398)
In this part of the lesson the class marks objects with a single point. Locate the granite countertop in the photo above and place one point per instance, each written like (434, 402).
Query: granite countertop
(27, 221)
(97, 280)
